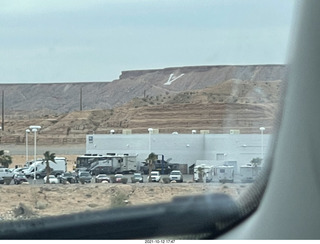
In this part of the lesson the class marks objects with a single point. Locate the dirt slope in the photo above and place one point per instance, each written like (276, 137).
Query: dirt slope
(33, 201)
(173, 99)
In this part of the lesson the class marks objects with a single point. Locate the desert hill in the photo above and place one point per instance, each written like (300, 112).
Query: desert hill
(215, 98)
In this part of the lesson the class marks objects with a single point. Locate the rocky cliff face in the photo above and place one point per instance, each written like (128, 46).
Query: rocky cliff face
(215, 98)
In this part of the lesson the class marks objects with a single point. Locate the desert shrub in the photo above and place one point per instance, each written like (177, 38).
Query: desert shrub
(118, 200)
(133, 180)
(124, 180)
(7, 180)
(112, 179)
(166, 180)
(22, 210)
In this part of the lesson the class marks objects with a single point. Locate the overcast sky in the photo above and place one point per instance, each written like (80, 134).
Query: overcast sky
(94, 40)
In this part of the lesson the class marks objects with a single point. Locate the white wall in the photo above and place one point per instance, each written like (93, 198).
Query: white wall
(183, 148)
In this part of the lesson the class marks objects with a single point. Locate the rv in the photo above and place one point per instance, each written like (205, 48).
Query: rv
(57, 168)
(103, 166)
(225, 173)
(249, 172)
(203, 173)
(109, 163)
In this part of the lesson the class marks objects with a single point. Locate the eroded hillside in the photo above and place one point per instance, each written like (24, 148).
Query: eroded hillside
(230, 105)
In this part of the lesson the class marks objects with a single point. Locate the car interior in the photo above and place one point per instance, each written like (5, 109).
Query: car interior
(283, 203)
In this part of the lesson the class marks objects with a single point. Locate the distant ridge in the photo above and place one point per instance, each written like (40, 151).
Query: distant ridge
(58, 98)
(218, 99)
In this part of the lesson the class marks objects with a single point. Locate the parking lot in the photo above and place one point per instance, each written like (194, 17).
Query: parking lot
(187, 178)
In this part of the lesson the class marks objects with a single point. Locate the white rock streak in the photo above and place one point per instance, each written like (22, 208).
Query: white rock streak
(172, 78)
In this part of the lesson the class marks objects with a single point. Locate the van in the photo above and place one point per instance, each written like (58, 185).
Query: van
(5, 172)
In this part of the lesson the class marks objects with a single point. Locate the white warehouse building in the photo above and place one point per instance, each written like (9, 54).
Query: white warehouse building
(213, 149)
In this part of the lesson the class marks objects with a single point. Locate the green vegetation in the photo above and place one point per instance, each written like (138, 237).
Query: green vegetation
(48, 157)
(256, 161)
(152, 158)
(166, 180)
(5, 160)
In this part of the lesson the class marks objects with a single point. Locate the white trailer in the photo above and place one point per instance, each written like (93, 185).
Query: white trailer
(249, 172)
(203, 171)
(129, 164)
(225, 173)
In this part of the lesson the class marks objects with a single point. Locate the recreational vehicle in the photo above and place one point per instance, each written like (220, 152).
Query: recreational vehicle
(225, 173)
(108, 164)
(203, 173)
(249, 172)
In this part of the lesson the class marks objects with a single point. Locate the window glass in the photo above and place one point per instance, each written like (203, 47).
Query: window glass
(138, 86)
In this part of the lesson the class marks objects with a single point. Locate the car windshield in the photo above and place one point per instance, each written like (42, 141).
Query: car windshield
(129, 89)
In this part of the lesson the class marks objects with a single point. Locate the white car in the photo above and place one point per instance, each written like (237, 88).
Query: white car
(52, 179)
(155, 176)
(176, 175)
(5, 172)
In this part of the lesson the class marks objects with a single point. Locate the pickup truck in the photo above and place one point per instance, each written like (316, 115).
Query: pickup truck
(155, 176)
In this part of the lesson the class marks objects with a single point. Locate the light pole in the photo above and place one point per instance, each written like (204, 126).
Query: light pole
(34, 129)
(27, 132)
(150, 132)
(262, 129)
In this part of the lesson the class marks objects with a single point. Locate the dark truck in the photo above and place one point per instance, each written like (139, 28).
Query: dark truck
(161, 166)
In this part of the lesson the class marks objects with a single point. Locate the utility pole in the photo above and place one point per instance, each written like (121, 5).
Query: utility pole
(80, 98)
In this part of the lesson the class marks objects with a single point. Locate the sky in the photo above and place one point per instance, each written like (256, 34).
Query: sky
(94, 40)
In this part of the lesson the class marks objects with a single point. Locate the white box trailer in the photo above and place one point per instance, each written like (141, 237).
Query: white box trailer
(225, 173)
(249, 172)
(205, 170)
(129, 164)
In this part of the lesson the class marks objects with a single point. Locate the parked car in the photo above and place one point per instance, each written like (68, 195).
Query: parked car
(118, 178)
(5, 172)
(155, 176)
(19, 170)
(84, 177)
(18, 178)
(52, 179)
(102, 177)
(176, 175)
(67, 177)
(137, 177)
